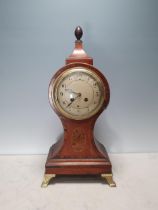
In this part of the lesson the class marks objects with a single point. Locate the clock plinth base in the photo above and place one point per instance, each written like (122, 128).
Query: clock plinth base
(56, 165)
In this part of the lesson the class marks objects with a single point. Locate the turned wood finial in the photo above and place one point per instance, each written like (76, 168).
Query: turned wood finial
(78, 54)
(78, 33)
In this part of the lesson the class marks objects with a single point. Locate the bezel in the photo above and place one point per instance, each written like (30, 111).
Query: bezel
(64, 72)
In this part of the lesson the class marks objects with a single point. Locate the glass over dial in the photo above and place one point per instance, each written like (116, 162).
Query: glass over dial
(77, 93)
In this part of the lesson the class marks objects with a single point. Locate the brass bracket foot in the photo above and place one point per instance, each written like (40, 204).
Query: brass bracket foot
(46, 179)
(109, 179)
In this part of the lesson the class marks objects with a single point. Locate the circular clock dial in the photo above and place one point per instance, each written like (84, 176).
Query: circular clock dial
(77, 93)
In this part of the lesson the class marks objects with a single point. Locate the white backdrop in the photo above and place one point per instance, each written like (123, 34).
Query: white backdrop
(35, 38)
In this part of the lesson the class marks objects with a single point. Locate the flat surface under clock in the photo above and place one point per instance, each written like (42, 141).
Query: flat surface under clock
(135, 175)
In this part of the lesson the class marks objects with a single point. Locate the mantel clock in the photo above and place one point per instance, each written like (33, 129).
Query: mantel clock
(78, 93)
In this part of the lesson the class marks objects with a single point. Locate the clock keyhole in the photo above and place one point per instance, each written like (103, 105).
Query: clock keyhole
(85, 99)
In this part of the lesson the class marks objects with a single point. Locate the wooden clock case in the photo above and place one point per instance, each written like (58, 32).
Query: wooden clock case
(78, 152)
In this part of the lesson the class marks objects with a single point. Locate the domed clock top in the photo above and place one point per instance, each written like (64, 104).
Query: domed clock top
(79, 54)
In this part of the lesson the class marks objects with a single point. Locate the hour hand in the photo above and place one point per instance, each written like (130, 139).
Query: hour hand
(73, 99)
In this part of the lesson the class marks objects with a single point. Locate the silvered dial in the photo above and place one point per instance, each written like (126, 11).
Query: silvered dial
(77, 93)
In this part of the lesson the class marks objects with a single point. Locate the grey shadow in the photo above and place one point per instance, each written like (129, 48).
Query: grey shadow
(77, 179)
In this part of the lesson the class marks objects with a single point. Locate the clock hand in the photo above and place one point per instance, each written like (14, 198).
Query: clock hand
(73, 99)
